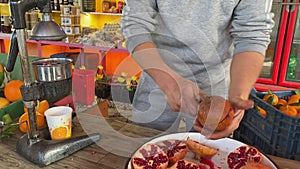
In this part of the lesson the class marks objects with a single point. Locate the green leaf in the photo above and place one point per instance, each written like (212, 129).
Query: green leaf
(279, 105)
(295, 104)
(6, 119)
(4, 135)
(9, 130)
(297, 91)
(271, 100)
(269, 91)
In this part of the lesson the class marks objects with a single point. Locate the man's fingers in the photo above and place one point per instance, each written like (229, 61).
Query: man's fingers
(242, 104)
(220, 134)
(230, 129)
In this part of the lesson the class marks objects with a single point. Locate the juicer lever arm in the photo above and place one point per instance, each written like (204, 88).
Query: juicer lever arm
(18, 8)
(13, 52)
(44, 7)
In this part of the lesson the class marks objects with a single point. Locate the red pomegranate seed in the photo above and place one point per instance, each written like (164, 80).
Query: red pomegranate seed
(208, 162)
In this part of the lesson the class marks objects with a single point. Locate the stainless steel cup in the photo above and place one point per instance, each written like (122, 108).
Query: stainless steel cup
(52, 69)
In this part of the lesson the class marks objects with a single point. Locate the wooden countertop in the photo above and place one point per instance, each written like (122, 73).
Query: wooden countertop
(119, 139)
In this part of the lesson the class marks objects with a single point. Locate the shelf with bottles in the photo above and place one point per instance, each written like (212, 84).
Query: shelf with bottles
(100, 14)
(102, 6)
(94, 19)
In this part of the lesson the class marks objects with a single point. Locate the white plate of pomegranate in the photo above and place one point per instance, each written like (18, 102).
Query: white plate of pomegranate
(194, 151)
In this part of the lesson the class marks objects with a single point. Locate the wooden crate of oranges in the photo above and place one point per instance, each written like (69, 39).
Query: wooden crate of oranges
(273, 125)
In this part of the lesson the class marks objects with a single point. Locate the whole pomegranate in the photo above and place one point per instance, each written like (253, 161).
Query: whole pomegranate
(184, 164)
(242, 155)
(150, 156)
(175, 149)
(215, 113)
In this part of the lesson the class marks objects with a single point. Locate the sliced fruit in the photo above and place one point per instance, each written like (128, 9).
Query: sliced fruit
(175, 149)
(40, 120)
(184, 164)
(242, 155)
(41, 106)
(200, 150)
(150, 156)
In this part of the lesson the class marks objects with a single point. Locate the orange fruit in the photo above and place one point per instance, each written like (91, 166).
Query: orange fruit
(3, 102)
(271, 98)
(12, 90)
(59, 133)
(261, 111)
(281, 102)
(295, 97)
(289, 110)
(294, 101)
(40, 120)
(42, 106)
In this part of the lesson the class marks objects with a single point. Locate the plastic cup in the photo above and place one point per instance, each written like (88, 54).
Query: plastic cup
(59, 120)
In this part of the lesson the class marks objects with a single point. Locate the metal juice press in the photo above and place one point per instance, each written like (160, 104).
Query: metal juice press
(53, 80)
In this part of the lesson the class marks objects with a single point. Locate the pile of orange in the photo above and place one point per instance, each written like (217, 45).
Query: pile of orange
(41, 107)
(289, 107)
(12, 90)
(40, 120)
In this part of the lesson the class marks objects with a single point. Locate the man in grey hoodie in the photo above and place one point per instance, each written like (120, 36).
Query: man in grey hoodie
(188, 48)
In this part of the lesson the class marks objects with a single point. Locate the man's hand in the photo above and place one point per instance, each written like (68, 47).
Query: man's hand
(245, 69)
(184, 96)
(240, 106)
(220, 134)
(181, 93)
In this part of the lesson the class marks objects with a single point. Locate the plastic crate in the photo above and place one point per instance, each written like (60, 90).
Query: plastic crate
(276, 134)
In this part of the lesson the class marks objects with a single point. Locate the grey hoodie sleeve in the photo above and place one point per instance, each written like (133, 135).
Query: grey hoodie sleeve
(251, 26)
(138, 22)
